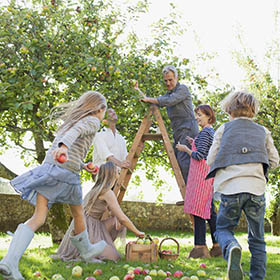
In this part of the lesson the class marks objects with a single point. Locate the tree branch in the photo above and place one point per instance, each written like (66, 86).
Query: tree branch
(6, 172)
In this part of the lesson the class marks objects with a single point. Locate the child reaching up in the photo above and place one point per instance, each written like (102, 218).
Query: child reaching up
(58, 180)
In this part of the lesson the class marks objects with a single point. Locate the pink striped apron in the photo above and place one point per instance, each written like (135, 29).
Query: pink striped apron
(199, 191)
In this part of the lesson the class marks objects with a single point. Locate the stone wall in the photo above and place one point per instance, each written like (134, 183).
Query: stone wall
(146, 216)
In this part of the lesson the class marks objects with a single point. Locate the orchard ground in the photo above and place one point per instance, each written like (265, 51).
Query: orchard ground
(36, 258)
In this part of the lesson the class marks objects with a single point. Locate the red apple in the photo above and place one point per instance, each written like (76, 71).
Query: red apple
(93, 167)
(178, 273)
(62, 158)
(128, 277)
(203, 265)
(137, 271)
(97, 272)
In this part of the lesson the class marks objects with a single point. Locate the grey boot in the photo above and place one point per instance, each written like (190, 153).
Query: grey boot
(9, 264)
(86, 249)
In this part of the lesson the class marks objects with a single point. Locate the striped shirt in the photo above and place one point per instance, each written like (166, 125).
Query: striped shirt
(78, 139)
(203, 143)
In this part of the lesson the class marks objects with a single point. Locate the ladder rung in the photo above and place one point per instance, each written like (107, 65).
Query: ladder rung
(151, 136)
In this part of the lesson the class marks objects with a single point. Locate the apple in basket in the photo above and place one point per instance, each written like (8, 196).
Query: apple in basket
(155, 240)
(77, 271)
(140, 241)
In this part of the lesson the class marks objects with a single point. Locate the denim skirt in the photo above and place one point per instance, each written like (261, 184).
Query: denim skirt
(53, 182)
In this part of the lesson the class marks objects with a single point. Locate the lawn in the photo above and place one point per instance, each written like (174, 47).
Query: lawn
(36, 258)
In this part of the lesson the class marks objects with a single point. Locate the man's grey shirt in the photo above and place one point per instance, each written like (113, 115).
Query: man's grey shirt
(178, 103)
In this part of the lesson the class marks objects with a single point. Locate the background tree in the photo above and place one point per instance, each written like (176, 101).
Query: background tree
(53, 51)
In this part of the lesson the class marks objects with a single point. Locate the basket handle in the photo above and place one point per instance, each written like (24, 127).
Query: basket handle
(170, 238)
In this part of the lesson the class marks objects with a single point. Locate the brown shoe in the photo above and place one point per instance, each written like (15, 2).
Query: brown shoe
(216, 251)
(201, 252)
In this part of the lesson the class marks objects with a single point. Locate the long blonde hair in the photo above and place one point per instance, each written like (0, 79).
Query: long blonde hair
(89, 103)
(105, 180)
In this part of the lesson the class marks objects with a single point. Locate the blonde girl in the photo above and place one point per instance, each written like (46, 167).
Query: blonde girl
(59, 182)
(97, 201)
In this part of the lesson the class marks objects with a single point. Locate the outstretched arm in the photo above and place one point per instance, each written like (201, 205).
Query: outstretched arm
(116, 210)
(145, 98)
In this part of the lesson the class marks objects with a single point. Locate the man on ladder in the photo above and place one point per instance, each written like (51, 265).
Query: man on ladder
(178, 102)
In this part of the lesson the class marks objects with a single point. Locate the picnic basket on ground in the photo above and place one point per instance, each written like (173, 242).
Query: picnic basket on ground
(147, 253)
(168, 255)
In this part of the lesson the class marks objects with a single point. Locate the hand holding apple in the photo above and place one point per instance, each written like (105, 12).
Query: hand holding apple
(62, 158)
(93, 168)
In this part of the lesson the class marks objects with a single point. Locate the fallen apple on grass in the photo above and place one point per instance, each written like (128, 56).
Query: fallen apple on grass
(57, 277)
(203, 265)
(148, 277)
(90, 278)
(128, 277)
(178, 273)
(201, 273)
(114, 278)
(77, 271)
(97, 271)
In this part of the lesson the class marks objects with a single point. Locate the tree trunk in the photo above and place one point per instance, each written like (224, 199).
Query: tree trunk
(275, 222)
(58, 221)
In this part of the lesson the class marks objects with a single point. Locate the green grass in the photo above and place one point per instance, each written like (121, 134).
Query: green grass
(36, 258)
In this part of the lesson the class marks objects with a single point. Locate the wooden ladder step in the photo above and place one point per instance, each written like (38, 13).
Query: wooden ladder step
(152, 136)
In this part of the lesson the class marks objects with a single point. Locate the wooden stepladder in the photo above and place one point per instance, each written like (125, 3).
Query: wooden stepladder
(137, 147)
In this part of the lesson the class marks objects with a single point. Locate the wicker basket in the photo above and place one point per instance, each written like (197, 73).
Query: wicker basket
(167, 256)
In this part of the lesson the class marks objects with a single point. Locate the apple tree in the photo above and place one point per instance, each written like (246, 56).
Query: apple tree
(53, 51)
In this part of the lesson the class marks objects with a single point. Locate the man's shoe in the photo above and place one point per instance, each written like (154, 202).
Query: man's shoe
(234, 270)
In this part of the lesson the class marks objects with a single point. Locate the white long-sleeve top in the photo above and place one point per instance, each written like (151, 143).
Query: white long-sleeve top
(106, 144)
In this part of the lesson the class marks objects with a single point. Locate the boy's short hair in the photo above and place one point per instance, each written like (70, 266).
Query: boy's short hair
(240, 104)
(208, 111)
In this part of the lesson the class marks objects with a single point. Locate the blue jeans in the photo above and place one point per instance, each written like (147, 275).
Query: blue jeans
(228, 218)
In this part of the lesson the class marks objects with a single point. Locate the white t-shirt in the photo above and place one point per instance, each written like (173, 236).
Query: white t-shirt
(106, 144)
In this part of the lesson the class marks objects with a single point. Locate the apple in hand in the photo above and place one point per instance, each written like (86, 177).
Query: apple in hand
(93, 167)
(62, 158)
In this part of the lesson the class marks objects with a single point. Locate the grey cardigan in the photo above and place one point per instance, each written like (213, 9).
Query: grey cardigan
(243, 141)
